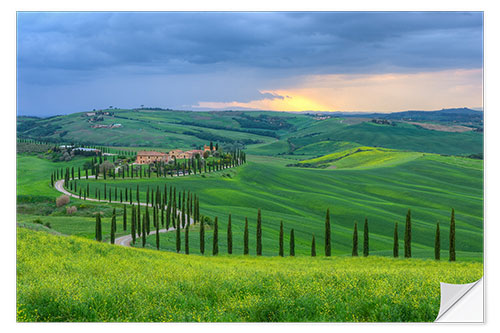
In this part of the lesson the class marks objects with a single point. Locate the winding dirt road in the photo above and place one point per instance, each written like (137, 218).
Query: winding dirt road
(122, 240)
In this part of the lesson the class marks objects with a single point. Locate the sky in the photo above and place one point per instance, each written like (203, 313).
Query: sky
(283, 61)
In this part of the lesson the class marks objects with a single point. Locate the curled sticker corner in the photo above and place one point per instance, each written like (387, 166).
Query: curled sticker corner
(454, 294)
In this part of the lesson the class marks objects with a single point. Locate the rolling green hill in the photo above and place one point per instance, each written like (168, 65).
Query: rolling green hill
(72, 279)
(263, 133)
(429, 185)
(359, 170)
(361, 157)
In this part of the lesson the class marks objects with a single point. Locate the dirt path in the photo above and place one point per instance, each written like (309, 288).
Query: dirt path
(122, 240)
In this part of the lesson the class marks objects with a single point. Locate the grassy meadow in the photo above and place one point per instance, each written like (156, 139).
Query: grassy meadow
(353, 167)
(73, 279)
(429, 185)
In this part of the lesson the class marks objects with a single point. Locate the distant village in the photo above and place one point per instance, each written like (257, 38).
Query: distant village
(148, 157)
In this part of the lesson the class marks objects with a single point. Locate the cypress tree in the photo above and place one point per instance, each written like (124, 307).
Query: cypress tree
(186, 239)
(143, 231)
(313, 247)
(178, 236)
(169, 209)
(98, 226)
(113, 226)
(121, 196)
(157, 233)
(202, 237)
(328, 242)
(154, 216)
(163, 216)
(215, 245)
(355, 240)
(229, 237)
(408, 235)
(366, 249)
(147, 220)
(245, 237)
(132, 229)
(437, 244)
(395, 247)
(452, 236)
(281, 250)
(292, 243)
(259, 234)
(137, 195)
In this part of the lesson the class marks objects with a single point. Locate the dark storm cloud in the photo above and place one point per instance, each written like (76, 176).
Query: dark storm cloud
(71, 62)
(188, 42)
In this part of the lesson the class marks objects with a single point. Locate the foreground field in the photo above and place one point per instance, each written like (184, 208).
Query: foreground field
(74, 279)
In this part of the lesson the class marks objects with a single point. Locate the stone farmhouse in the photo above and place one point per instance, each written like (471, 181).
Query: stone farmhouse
(147, 157)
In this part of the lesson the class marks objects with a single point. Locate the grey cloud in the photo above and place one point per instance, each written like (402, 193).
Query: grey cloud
(183, 42)
(220, 56)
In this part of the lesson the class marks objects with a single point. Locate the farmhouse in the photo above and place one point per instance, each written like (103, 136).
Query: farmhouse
(177, 153)
(205, 148)
(194, 152)
(147, 157)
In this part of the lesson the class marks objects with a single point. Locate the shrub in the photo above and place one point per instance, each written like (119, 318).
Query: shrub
(47, 224)
(62, 200)
(38, 221)
(208, 221)
(71, 210)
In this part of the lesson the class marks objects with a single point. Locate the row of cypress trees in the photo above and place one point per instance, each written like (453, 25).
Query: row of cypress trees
(407, 239)
(180, 222)
(355, 245)
(193, 165)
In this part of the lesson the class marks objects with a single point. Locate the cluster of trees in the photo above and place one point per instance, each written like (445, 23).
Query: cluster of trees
(170, 208)
(99, 167)
(234, 129)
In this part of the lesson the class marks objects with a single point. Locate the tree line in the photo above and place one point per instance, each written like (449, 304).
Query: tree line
(98, 167)
(170, 208)
(180, 220)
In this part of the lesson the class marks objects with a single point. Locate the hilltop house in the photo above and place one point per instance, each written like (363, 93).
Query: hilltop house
(147, 157)
(179, 154)
(205, 148)
(196, 151)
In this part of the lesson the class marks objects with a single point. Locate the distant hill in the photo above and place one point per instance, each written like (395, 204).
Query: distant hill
(262, 132)
(454, 115)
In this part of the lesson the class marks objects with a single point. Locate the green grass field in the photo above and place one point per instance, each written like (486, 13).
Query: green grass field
(361, 157)
(73, 279)
(355, 168)
(429, 185)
